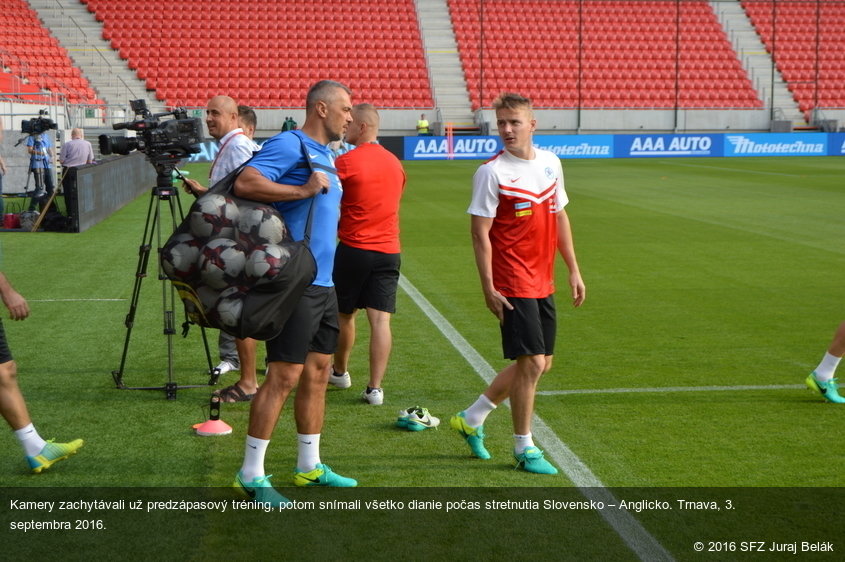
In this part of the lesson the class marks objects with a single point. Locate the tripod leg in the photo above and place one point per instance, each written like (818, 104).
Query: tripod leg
(140, 273)
(153, 235)
(215, 373)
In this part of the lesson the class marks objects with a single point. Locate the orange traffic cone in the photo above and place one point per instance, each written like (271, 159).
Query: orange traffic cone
(214, 425)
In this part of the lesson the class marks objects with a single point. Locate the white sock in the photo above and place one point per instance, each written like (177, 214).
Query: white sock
(522, 442)
(254, 452)
(308, 447)
(478, 412)
(827, 368)
(30, 440)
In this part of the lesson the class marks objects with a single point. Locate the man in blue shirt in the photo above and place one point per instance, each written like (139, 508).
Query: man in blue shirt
(299, 356)
(40, 150)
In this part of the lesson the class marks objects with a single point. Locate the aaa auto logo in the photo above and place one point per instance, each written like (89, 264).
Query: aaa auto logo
(471, 147)
(674, 145)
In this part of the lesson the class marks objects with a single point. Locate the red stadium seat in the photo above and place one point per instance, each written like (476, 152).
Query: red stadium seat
(34, 55)
(806, 32)
(620, 41)
(391, 41)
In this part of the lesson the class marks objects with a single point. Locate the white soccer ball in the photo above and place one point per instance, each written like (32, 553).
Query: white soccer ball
(265, 262)
(214, 216)
(261, 225)
(229, 307)
(221, 263)
(179, 257)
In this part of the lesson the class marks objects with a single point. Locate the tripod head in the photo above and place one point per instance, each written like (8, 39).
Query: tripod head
(164, 166)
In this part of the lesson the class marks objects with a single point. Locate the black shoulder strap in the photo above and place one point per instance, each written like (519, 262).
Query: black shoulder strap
(310, 165)
(227, 184)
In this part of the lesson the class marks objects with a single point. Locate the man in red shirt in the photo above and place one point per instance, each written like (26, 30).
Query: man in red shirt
(366, 271)
(518, 225)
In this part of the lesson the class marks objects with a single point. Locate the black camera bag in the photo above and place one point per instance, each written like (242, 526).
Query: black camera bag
(266, 306)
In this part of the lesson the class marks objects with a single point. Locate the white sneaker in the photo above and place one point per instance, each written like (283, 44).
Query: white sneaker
(420, 419)
(340, 380)
(224, 367)
(374, 397)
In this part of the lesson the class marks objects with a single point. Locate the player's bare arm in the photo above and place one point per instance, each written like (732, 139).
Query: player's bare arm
(251, 184)
(566, 247)
(480, 229)
(17, 305)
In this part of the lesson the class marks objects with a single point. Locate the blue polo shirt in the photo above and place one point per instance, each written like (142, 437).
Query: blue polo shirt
(281, 160)
(41, 160)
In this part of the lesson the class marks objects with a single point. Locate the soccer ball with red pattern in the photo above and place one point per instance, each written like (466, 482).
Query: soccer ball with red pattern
(265, 262)
(214, 216)
(229, 307)
(180, 256)
(221, 263)
(261, 225)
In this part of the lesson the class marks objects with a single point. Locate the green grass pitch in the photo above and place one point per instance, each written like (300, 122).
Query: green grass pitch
(704, 277)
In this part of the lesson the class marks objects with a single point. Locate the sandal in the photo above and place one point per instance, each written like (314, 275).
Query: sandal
(233, 394)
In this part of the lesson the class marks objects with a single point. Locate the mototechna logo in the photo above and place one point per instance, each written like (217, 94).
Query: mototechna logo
(779, 145)
(576, 146)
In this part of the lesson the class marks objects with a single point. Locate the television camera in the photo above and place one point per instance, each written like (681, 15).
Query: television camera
(164, 142)
(38, 125)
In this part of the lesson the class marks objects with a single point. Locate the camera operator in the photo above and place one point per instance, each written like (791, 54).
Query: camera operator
(40, 148)
(3, 171)
(224, 124)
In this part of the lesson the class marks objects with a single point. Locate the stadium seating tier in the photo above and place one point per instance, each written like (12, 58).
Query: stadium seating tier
(271, 57)
(806, 41)
(568, 53)
(644, 54)
(35, 61)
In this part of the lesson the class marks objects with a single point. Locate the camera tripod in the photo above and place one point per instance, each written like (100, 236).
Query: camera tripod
(163, 192)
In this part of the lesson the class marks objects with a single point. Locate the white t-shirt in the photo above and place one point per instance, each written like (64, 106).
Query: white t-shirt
(235, 149)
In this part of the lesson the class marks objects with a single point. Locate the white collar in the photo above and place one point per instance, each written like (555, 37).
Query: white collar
(230, 134)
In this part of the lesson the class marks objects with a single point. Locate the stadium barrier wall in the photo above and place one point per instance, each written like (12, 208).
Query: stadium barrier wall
(102, 189)
(637, 146)
(608, 146)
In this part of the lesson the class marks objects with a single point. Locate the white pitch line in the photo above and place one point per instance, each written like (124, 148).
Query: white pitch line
(76, 300)
(669, 389)
(736, 170)
(638, 539)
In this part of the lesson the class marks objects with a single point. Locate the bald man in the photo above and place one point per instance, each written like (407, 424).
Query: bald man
(77, 151)
(222, 120)
(366, 270)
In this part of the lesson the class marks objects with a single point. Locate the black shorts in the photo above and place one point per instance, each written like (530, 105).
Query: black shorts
(312, 327)
(5, 352)
(365, 279)
(530, 328)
